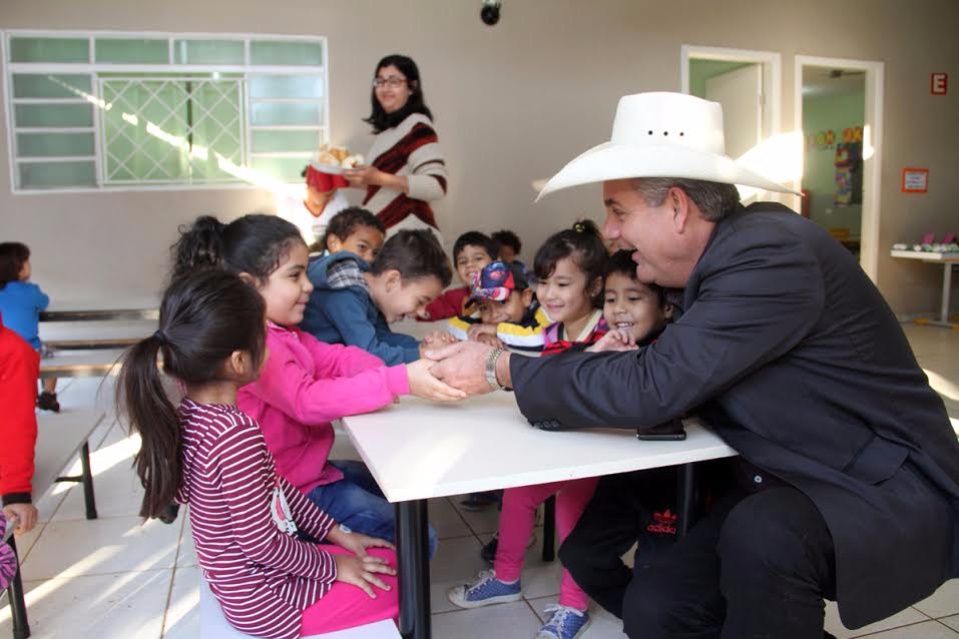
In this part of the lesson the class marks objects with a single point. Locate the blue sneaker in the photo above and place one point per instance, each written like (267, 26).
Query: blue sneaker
(484, 591)
(564, 623)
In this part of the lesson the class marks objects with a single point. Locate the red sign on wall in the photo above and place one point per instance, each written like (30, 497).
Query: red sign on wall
(940, 83)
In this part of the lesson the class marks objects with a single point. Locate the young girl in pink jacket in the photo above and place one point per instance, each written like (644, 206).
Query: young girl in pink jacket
(305, 384)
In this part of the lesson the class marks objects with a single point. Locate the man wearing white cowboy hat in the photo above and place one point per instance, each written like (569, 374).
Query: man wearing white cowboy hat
(790, 353)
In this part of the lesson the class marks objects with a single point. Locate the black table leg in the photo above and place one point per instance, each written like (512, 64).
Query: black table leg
(685, 498)
(412, 550)
(549, 528)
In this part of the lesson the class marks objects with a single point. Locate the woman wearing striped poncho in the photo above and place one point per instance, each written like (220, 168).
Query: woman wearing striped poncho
(405, 170)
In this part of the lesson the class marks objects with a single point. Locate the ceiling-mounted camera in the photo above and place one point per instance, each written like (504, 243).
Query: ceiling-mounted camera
(489, 14)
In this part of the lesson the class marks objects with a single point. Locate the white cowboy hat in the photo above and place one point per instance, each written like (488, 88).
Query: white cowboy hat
(661, 135)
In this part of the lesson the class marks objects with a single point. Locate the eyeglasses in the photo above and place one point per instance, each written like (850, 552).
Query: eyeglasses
(391, 82)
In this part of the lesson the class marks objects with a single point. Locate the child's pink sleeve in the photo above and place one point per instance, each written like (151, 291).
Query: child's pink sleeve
(310, 399)
(337, 360)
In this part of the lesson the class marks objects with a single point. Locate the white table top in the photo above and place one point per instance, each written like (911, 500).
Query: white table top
(418, 450)
(926, 256)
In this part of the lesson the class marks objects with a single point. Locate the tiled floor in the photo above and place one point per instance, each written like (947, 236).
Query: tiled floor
(118, 577)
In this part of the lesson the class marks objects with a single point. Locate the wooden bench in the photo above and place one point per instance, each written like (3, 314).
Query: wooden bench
(213, 624)
(60, 436)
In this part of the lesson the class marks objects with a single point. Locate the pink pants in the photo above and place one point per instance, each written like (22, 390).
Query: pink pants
(516, 525)
(346, 606)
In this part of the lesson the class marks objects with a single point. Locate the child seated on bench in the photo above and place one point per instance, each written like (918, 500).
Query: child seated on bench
(21, 302)
(257, 537)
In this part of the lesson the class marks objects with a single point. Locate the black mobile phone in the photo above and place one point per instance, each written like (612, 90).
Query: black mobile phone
(670, 431)
(652, 436)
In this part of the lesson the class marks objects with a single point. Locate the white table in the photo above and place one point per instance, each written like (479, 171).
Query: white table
(417, 450)
(81, 363)
(73, 335)
(947, 260)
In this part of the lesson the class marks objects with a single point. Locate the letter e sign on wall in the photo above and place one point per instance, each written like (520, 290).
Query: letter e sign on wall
(940, 83)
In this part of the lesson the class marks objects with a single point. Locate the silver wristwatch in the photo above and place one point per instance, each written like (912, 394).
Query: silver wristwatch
(491, 369)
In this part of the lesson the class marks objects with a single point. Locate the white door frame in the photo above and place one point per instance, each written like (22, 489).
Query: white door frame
(872, 137)
(772, 76)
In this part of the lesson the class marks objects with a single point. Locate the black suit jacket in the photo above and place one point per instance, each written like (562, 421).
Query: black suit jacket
(789, 351)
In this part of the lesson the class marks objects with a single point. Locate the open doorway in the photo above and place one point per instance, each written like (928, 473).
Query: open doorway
(839, 111)
(747, 85)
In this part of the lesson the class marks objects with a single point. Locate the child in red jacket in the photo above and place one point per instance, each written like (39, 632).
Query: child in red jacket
(19, 368)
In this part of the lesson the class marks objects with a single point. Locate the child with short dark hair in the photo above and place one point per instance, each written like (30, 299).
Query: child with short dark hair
(250, 524)
(509, 314)
(353, 303)
(21, 302)
(635, 312)
(510, 246)
(471, 252)
(354, 230)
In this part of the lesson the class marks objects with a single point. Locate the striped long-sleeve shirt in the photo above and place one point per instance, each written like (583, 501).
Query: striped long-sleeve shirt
(244, 518)
(411, 150)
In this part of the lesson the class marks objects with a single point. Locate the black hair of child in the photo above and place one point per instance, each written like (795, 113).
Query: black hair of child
(475, 238)
(414, 254)
(508, 238)
(344, 223)
(622, 262)
(204, 317)
(584, 244)
(13, 255)
(253, 244)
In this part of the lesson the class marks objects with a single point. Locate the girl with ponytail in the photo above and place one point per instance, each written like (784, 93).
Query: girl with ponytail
(255, 534)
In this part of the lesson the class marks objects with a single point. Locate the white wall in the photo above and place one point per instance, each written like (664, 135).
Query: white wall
(512, 103)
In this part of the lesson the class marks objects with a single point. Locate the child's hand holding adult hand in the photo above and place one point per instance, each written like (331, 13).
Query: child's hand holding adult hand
(423, 384)
(615, 340)
(476, 330)
(438, 339)
(361, 572)
(491, 340)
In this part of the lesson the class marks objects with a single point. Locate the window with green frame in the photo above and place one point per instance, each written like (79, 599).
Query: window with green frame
(115, 110)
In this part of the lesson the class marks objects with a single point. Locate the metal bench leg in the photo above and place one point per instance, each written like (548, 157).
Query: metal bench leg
(18, 607)
(88, 496)
(549, 528)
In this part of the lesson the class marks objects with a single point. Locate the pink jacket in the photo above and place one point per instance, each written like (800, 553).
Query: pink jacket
(303, 386)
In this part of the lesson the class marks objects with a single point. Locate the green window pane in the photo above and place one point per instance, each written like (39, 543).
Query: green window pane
(286, 169)
(49, 50)
(272, 114)
(286, 53)
(286, 86)
(285, 141)
(132, 51)
(208, 52)
(50, 175)
(45, 85)
(32, 145)
(53, 115)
